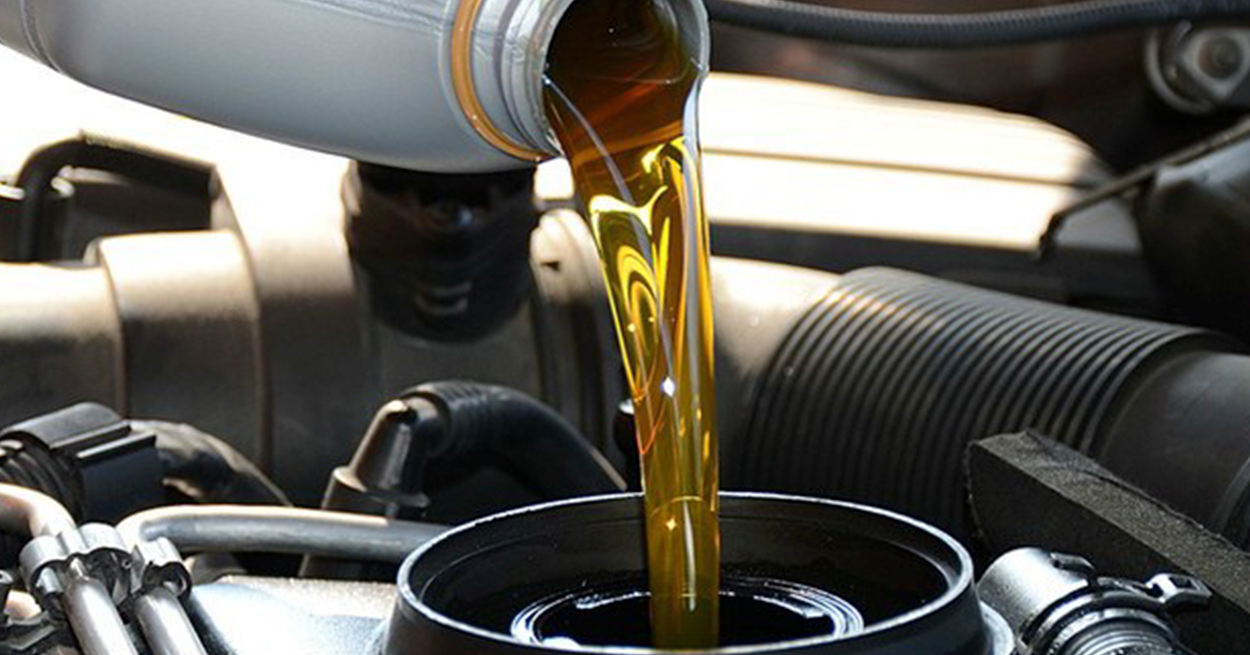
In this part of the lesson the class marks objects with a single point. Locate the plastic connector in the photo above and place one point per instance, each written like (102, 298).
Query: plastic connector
(88, 458)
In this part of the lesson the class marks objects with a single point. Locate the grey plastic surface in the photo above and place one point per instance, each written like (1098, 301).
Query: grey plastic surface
(361, 78)
(12, 27)
(367, 79)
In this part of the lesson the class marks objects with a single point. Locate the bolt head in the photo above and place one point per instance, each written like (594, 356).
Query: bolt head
(1221, 57)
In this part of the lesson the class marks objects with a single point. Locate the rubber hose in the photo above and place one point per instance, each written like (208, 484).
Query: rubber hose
(208, 469)
(877, 391)
(278, 530)
(534, 441)
(968, 30)
(27, 463)
(157, 169)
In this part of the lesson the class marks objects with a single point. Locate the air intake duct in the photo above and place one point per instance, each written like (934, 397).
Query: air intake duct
(877, 390)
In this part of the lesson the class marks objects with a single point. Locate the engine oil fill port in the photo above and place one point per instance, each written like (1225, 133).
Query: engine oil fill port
(799, 576)
(752, 611)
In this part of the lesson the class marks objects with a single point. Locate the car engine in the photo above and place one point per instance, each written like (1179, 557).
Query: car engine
(305, 345)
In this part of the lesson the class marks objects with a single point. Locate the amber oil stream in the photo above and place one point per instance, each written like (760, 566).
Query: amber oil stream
(621, 94)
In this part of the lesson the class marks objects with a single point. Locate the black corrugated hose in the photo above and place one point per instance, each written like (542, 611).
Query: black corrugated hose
(965, 30)
(534, 440)
(877, 392)
(209, 470)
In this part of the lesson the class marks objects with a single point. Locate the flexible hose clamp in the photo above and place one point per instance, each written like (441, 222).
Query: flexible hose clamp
(1057, 604)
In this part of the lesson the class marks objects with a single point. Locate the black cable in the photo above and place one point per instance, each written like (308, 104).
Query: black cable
(534, 441)
(448, 426)
(152, 168)
(208, 469)
(966, 30)
(1136, 180)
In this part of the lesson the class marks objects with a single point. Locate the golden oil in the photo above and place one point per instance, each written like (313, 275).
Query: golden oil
(621, 94)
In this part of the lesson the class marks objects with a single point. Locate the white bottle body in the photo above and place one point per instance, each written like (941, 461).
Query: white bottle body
(367, 79)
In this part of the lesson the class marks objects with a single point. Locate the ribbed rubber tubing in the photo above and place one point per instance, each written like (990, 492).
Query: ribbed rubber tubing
(877, 391)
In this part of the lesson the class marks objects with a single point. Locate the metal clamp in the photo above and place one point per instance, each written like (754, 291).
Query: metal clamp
(158, 565)
(1178, 591)
(25, 634)
(1057, 604)
(96, 551)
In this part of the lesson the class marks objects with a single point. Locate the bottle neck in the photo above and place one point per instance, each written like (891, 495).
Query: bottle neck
(499, 53)
(498, 49)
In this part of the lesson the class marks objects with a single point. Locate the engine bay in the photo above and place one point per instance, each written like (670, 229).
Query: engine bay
(981, 382)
